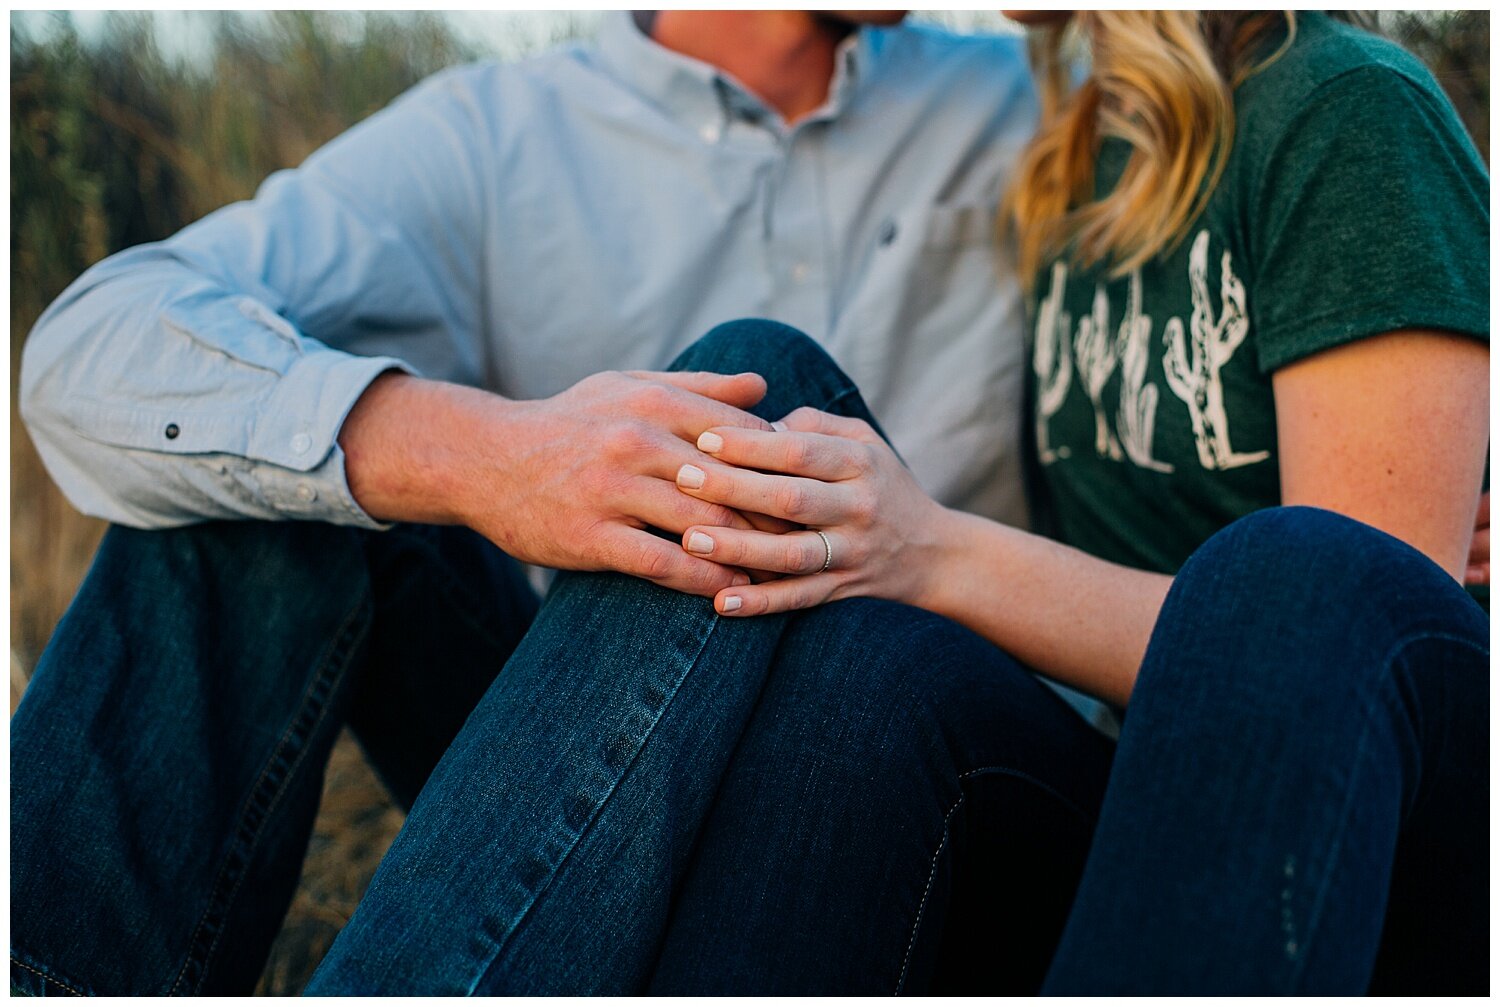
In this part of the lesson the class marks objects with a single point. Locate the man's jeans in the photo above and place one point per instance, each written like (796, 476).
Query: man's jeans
(167, 757)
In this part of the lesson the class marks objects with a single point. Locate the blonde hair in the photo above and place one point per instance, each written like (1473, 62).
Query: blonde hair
(1163, 82)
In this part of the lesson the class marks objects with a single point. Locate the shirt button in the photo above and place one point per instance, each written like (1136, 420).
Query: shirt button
(172, 431)
(301, 443)
(306, 493)
(710, 133)
(800, 272)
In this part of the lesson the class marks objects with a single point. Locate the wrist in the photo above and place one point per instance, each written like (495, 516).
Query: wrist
(940, 559)
(412, 448)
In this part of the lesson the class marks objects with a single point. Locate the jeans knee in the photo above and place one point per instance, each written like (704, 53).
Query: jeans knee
(797, 370)
(1295, 597)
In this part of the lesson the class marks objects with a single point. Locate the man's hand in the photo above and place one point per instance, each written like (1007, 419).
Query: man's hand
(571, 482)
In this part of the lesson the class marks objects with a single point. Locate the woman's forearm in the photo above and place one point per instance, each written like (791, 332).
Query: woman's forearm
(1076, 619)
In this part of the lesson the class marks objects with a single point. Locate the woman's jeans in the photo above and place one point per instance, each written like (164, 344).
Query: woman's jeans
(861, 798)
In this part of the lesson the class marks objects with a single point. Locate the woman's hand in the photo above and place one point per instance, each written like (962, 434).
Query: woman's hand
(870, 529)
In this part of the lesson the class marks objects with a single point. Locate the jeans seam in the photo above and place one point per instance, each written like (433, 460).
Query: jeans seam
(45, 977)
(943, 843)
(311, 711)
(1317, 907)
(511, 931)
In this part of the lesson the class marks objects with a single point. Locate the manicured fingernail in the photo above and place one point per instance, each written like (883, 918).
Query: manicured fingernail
(690, 476)
(699, 542)
(710, 442)
(733, 603)
(739, 580)
(778, 426)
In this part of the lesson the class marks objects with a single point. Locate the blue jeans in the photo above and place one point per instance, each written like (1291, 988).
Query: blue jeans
(1298, 803)
(167, 756)
(860, 798)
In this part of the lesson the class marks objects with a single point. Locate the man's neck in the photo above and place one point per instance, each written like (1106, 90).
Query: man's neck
(785, 58)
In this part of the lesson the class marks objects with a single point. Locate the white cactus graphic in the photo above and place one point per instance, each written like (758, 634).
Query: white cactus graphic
(1193, 374)
(1136, 419)
(1094, 349)
(1052, 362)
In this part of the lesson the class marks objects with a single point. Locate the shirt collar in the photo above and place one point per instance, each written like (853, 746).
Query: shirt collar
(700, 94)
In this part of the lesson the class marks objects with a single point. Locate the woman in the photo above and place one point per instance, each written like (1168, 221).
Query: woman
(1259, 252)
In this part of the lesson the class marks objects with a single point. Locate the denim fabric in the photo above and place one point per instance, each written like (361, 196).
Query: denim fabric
(908, 811)
(570, 803)
(167, 758)
(1305, 755)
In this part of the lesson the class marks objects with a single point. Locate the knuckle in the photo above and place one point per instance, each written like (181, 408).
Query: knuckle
(626, 440)
(794, 556)
(715, 514)
(653, 564)
(798, 454)
(792, 501)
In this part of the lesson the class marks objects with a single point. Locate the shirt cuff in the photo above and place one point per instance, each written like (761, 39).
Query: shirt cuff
(297, 430)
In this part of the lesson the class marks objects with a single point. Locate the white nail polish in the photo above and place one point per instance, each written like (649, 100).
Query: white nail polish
(710, 442)
(778, 426)
(690, 476)
(733, 603)
(700, 543)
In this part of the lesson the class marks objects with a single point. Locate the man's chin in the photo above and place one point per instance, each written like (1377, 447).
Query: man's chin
(855, 18)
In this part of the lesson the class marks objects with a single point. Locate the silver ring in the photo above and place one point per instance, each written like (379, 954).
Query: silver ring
(827, 551)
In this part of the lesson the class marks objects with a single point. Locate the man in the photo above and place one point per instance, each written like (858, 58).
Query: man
(507, 233)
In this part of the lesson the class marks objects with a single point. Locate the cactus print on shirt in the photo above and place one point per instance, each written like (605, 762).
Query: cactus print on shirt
(1352, 204)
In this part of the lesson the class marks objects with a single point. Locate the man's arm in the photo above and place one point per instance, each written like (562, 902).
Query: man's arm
(207, 376)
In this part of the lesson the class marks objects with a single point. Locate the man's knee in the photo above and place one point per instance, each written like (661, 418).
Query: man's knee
(797, 370)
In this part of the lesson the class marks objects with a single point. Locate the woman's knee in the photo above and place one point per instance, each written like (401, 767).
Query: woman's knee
(1302, 601)
(1289, 564)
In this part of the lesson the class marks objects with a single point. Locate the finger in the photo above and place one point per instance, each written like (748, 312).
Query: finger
(643, 555)
(1479, 548)
(805, 501)
(1482, 519)
(659, 504)
(801, 552)
(775, 595)
(817, 456)
(1478, 574)
(814, 421)
(740, 390)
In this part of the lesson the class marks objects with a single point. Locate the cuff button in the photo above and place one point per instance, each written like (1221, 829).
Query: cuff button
(172, 431)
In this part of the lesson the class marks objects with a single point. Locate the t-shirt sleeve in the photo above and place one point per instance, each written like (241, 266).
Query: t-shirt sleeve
(1372, 214)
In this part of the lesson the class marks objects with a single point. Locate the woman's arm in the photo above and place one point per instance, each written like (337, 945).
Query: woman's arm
(1390, 430)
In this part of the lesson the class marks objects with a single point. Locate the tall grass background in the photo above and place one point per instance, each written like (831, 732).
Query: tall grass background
(121, 134)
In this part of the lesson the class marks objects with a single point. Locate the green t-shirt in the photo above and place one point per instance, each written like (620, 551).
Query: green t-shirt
(1351, 204)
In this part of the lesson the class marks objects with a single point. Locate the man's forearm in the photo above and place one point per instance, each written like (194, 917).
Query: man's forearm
(409, 443)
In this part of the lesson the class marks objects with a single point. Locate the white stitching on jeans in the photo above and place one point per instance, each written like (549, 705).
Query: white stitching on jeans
(45, 976)
(931, 875)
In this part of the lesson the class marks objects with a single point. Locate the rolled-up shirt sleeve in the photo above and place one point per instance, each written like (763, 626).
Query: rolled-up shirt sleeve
(207, 376)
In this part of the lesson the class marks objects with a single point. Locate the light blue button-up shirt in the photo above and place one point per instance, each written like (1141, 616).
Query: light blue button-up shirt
(519, 227)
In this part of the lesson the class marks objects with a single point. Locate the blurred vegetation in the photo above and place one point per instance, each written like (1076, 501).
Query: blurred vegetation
(117, 139)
